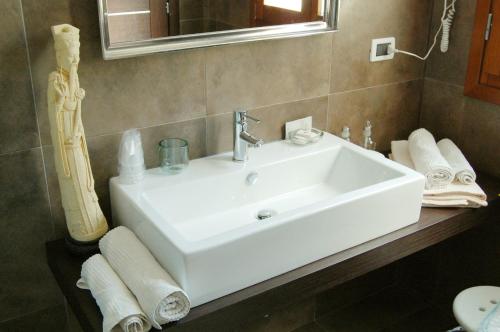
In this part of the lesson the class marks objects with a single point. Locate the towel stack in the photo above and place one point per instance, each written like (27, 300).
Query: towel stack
(450, 179)
(132, 290)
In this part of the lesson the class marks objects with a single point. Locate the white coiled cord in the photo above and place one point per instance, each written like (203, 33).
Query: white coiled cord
(446, 21)
(445, 40)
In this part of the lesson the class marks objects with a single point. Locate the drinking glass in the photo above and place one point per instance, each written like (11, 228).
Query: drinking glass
(173, 154)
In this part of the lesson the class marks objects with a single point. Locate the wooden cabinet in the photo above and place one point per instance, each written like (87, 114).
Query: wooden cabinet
(483, 74)
(164, 18)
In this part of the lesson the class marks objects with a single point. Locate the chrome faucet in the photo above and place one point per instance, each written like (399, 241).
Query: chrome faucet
(242, 139)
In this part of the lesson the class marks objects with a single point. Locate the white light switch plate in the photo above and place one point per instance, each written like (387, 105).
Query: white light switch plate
(382, 49)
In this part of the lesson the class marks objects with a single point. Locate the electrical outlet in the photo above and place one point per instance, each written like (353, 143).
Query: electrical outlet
(382, 49)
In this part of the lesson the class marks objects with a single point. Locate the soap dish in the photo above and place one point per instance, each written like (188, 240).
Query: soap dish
(304, 137)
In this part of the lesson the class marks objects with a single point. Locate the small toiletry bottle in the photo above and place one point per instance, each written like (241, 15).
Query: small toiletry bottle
(367, 134)
(346, 133)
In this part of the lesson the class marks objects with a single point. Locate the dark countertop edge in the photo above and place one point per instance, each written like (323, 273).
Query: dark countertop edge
(435, 225)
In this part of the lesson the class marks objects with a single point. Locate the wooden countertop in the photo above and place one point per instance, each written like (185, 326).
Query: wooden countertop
(434, 226)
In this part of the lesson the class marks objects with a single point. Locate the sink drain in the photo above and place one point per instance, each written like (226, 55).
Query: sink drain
(265, 214)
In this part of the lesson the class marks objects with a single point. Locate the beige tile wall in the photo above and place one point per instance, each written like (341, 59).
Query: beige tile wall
(362, 21)
(473, 125)
(277, 80)
(190, 94)
(393, 110)
(129, 28)
(127, 5)
(267, 73)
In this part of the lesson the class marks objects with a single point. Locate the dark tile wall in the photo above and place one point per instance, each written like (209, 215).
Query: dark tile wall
(19, 128)
(26, 284)
(392, 108)
(189, 94)
(472, 124)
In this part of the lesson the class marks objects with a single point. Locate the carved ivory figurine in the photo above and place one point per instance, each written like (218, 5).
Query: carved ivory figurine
(84, 217)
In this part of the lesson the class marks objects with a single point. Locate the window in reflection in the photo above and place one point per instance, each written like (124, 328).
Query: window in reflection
(134, 20)
(321, 8)
(276, 12)
(295, 5)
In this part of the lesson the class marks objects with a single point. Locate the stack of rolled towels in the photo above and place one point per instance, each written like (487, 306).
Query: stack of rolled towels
(130, 287)
(450, 179)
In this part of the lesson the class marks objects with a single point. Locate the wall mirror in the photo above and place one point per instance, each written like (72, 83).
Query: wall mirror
(137, 27)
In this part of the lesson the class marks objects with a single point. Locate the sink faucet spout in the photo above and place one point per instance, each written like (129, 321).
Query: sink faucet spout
(251, 139)
(242, 139)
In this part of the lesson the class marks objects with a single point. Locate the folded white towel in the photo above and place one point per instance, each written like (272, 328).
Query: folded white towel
(401, 154)
(459, 203)
(428, 159)
(463, 170)
(118, 306)
(158, 294)
(453, 201)
(455, 194)
(471, 192)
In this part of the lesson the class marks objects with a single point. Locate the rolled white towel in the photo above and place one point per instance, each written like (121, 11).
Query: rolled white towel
(463, 170)
(158, 294)
(428, 159)
(118, 306)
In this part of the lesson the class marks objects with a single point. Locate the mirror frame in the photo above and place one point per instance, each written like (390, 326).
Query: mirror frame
(184, 42)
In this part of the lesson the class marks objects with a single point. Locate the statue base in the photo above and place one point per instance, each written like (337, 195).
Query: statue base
(81, 249)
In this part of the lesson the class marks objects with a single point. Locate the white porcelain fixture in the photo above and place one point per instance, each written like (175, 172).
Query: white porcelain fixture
(473, 305)
(204, 225)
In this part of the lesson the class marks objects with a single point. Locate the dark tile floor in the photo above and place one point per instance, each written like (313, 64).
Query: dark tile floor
(394, 309)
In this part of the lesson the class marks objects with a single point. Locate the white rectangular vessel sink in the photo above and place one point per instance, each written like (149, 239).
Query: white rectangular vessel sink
(205, 225)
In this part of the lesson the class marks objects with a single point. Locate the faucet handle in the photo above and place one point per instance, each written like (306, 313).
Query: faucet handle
(241, 116)
(252, 118)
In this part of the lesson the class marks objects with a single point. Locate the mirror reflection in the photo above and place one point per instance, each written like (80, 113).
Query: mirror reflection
(136, 20)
